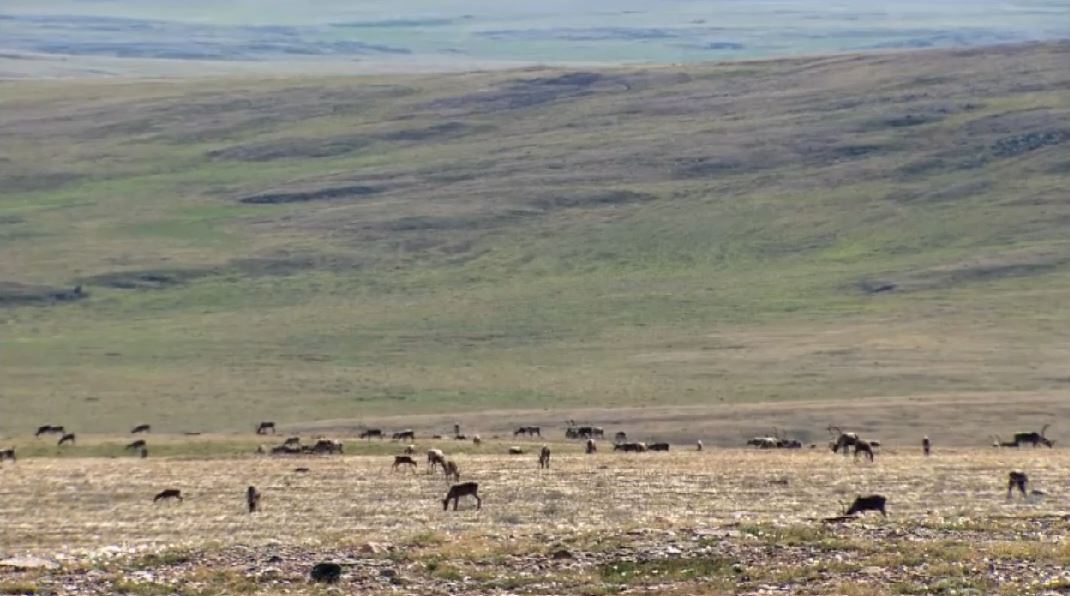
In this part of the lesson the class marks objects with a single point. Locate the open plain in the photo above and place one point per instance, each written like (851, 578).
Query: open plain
(684, 522)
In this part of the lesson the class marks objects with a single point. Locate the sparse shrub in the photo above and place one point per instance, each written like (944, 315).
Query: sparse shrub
(708, 569)
(165, 558)
(426, 538)
(17, 588)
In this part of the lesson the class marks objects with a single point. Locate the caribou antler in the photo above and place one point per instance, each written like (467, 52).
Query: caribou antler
(1044, 430)
(834, 430)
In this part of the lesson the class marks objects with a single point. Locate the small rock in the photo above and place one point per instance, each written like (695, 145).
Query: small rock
(23, 563)
(388, 572)
(373, 548)
(326, 572)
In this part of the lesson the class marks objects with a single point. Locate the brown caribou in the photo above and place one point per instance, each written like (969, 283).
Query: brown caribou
(870, 503)
(404, 460)
(1034, 438)
(1016, 479)
(252, 499)
(170, 493)
(461, 490)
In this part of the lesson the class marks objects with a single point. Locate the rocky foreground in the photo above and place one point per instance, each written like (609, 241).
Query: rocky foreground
(1016, 556)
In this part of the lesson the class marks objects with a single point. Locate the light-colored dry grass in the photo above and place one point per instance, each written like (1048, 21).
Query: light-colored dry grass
(73, 504)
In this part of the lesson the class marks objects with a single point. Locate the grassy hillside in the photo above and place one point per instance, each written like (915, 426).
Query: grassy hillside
(297, 249)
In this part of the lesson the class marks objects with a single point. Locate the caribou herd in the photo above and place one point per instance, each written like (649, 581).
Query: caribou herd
(840, 442)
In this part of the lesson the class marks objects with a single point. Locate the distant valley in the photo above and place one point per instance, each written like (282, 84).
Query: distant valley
(157, 38)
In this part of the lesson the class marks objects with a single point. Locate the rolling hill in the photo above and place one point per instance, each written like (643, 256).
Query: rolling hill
(302, 248)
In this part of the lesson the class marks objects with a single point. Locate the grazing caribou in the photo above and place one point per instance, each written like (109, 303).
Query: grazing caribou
(531, 431)
(516, 450)
(404, 460)
(264, 427)
(327, 446)
(435, 457)
(544, 457)
(1016, 479)
(171, 493)
(7, 454)
(635, 447)
(870, 503)
(592, 447)
(252, 499)
(451, 470)
(285, 450)
(864, 447)
(763, 442)
(584, 432)
(842, 440)
(1033, 437)
(620, 437)
(658, 447)
(698, 445)
(67, 438)
(460, 490)
(141, 428)
(49, 429)
(372, 432)
(404, 434)
(138, 444)
(291, 441)
(926, 446)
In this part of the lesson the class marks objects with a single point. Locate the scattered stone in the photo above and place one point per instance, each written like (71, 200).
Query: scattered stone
(327, 573)
(25, 563)
(373, 548)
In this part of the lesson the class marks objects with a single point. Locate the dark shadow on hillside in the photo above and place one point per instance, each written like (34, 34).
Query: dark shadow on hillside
(17, 294)
(322, 194)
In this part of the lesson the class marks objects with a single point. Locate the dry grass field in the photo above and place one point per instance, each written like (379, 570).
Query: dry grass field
(685, 522)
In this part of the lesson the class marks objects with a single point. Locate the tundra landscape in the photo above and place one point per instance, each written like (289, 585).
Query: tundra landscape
(682, 522)
(585, 329)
